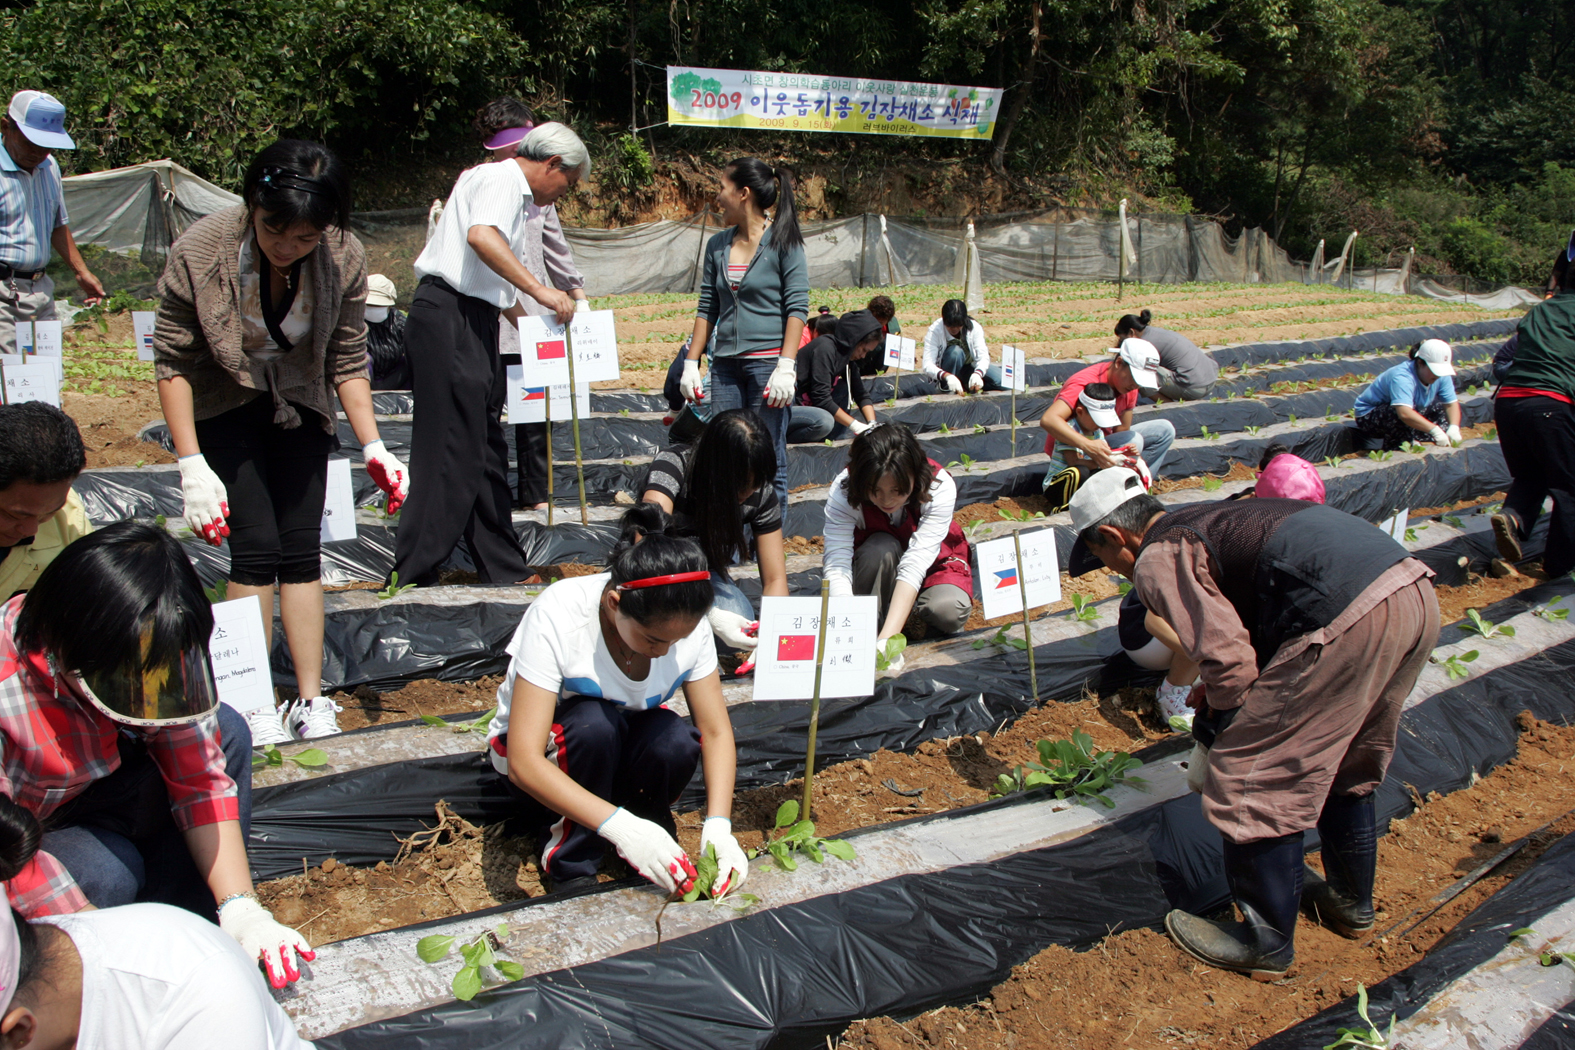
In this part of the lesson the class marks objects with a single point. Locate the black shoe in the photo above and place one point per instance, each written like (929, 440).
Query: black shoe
(1265, 879)
(580, 882)
(1506, 533)
(1342, 898)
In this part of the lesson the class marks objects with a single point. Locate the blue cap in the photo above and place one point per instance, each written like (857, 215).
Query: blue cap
(41, 118)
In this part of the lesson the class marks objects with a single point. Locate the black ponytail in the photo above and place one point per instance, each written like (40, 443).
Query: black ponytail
(20, 834)
(954, 313)
(1132, 324)
(645, 550)
(735, 453)
(763, 182)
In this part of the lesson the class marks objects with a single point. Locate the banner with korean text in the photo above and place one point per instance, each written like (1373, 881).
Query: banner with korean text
(745, 98)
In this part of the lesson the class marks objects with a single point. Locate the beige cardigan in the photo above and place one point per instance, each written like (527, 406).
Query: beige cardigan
(198, 334)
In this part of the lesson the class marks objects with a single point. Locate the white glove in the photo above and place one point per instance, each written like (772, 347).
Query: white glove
(859, 426)
(782, 384)
(388, 472)
(206, 503)
(1453, 433)
(1437, 436)
(731, 627)
(260, 935)
(689, 383)
(732, 867)
(976, 382)
(841, 587)
(952, 382)
(582, 306)
(650, 850)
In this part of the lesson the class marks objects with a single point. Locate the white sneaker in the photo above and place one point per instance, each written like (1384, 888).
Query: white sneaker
(310, 719)
(267, 725)
(1172, 700)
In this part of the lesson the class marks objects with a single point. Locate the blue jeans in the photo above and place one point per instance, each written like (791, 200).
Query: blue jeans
(1158, 435)
(959, 362)
(112, 869)
(731, 598)
(740, 382)
(808, 424)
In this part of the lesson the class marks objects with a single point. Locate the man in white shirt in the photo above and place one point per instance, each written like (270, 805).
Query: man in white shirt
(470, 273)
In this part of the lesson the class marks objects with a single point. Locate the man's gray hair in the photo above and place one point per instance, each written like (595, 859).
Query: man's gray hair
(552, 139)
(1133, 516)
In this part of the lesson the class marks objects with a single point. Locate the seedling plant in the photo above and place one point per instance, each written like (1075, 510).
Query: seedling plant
(794, 836)
(478, 726)
(1370, 1037)
(1487, 628)
(1021, 515)
(1550, 612)
(891, 652)
(1334, 462)
(394, 590)
(1381, 455)
(311, 758)
(479, 953)
(1074, 769)
(1212, 484)
(1001, 637)
(1413, 447)
(1455, 666)
(1083, 609)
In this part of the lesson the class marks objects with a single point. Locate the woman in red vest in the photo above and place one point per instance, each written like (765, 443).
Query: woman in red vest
(890, 533)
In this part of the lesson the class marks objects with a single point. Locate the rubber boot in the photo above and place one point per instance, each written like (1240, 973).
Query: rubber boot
(1342, 898)
(1266, 881)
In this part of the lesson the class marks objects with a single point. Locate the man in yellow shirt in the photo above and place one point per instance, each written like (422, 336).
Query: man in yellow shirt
(41, 454)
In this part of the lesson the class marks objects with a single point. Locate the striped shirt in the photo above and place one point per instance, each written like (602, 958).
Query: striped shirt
(32, 207)
(486, 195)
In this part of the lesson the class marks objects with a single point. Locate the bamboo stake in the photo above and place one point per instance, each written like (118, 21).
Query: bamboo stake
(1028, 637)
(1013, 349)
(814, 702)
(574, 411)
(547, 402)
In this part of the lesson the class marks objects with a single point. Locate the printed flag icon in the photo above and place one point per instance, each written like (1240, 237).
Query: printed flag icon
(550, 350)
(796, 647)
(536, 393)
(1006, 578)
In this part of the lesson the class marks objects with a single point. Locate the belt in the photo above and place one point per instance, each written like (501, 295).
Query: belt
(8, 273)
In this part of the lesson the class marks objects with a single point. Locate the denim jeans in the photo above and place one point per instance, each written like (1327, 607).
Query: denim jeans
(113, 870)
(959, 362)
(730, 596)
(1158, 435)
(740, 382)
(808, 424)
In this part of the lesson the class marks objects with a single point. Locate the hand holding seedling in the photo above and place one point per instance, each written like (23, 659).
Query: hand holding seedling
(732, 867)
(650, 850)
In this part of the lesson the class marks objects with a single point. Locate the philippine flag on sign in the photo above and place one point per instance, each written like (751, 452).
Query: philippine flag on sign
(1006, 577)
(796, 647)
(536, 393)
(550, 350)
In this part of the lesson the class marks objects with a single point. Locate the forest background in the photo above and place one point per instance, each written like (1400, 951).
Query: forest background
(1438, 124)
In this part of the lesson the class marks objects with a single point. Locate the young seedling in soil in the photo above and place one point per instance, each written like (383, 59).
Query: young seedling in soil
(1249, 428)
(944, 430)
(792, 835)
(311, 758)
(1370, 1037)
(479, 953)
(1021, 515)
(1486, 628)
(1291, 419)
(980, 428)
(1209, 435)
(1455, 666)
(1074, 768)
(1381, 455)
(1490, 433)
(1414, 447)
(218, 592)
(891, 652)
(1002, 638)
(1334, 462)
(1548, 612)
(1083, 609)
(1212, 484)
(394, 590)
(478, 726)
(1453, 520)
(1123, 586)
(1410, 533)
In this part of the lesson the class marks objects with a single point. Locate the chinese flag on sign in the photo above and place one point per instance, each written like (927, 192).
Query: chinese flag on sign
(1006, 578)
(796, 647)
(550, 350)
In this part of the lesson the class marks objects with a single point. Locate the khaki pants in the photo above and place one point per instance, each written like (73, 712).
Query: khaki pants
(1322, 722)
(23, 301)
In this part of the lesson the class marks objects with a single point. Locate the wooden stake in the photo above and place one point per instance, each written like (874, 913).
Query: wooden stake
(814, 701)
(574, 411)
(548, 409)
(1022, 588)
(1015, 366)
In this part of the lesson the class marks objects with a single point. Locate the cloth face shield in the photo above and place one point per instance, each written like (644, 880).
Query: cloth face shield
(170, 694)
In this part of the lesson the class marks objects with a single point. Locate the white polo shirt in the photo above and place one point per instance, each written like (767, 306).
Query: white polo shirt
(494, 195)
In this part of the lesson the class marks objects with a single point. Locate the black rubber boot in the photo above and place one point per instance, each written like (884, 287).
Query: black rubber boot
(1266, 881)
(1342, 898)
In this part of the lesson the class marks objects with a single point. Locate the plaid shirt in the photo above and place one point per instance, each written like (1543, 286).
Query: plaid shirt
(53, 746)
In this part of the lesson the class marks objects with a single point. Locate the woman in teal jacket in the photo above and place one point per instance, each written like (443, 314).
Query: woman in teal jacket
(754, 300)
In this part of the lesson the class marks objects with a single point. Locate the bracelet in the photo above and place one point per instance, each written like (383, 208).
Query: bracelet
(249, 895)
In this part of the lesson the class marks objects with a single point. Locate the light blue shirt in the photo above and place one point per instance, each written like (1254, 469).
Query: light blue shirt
(1400, 386)
(32, 206)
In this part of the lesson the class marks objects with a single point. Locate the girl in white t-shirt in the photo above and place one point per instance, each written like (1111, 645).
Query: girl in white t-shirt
(143, 975)
(582, 731)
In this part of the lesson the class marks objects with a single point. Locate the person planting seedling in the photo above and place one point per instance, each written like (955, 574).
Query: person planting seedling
(1309, 627)
(1095, 416)
(956, 357)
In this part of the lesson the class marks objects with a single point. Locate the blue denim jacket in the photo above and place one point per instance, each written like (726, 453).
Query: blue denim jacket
(774, 288)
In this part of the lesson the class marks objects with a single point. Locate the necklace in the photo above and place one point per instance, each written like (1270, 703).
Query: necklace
(610, 633)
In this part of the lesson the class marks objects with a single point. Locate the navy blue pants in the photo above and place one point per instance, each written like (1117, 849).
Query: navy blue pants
(640, 760)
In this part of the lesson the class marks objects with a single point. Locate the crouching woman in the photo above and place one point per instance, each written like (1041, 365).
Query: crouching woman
(582, 730)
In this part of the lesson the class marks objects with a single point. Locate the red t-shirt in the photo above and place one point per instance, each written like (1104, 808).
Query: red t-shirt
(1073, 389)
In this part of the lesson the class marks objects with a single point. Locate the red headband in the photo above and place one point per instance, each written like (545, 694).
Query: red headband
(657, 581)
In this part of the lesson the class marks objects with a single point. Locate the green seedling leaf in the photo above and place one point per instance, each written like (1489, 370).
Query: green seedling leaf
(839, 849)
(787, 813)
(1181, 723)
(892, 650)
(1212, 484)
(1123, 586)
(1524, 931)
(1410, 535)
(433, 720)
(467, 983)
(512, 970)
(394, 590)
(218, 592)
(479, 725)
(1333, 461)
(501, 932)
(311, 758)
(431, 949)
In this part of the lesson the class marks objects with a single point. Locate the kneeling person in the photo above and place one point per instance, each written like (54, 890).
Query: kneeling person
(1095, 417)
(829, 383)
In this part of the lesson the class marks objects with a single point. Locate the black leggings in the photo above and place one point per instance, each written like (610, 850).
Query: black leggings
(274, 480)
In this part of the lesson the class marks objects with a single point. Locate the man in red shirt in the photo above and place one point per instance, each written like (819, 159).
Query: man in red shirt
(1132, 366)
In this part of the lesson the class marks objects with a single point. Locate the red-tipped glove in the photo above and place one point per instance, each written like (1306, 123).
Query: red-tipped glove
(649, 850)
(732, 867)
(265, 938)
(205, 504)
(387, 472)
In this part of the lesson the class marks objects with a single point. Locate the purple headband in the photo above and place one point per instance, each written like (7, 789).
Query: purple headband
(508, 137)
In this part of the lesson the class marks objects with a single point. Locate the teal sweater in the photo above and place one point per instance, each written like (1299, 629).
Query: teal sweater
(1545, 356)
(774, 288)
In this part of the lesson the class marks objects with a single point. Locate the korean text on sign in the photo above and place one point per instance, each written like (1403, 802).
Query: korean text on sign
(999, 570)
(789, 628)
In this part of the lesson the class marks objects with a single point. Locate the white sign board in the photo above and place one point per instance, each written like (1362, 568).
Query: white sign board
(543, 346)
(238, 650)
(998, 573)
(32, 382)
(142, 322)
(785, 657)
(1014, 369)
(48, 339)
(899, 353)
(24, 337)
(338, 503)
(1396, 525)
(527, 404)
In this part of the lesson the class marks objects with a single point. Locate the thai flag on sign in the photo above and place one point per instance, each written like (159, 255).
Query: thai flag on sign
(550, 350)
(147, 341)
(536, 393)
(796, 647)
(1006, 577)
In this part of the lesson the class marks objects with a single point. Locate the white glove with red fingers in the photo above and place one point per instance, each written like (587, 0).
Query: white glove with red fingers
(206, 502)
(649, 850)
(388, 472)
(782, 384)
(689, 383)
(732, 867)
(975, 382)
(734, 630)
(952, 382)
(263, 937)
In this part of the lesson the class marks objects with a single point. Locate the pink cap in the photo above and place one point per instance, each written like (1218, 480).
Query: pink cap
(508, 137)
(1290, 477)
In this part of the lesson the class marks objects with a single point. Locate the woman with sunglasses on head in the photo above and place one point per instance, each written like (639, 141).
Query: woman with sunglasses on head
(582, 730)
(261, 323)
(111, 733)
